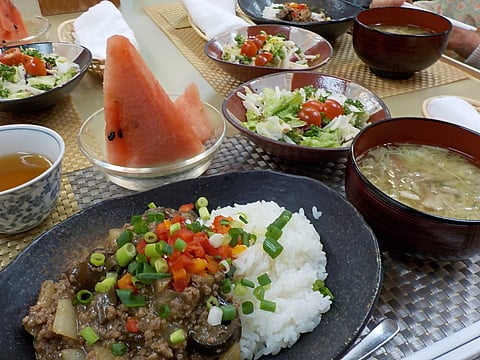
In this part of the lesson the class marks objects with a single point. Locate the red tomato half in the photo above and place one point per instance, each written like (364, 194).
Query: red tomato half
(11, 57)
(34, 66)
(249, 48)
(333, 109)
(263, 58)
(310, 115)
(315, 104)
(259, 40)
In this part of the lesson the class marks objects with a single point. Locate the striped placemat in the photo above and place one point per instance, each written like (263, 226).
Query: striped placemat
(172, 19)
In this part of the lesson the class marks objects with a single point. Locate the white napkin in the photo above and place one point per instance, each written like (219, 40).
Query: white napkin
(455, 110)
(97, 24)
(214, 17)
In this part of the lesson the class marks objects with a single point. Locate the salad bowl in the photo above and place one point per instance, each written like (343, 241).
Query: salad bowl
(252, 93)
(73, 53)
(316, 49)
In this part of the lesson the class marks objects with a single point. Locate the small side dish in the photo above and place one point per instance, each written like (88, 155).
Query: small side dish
(296, 12)
(26, 71)
(268, 50)
(307, 116)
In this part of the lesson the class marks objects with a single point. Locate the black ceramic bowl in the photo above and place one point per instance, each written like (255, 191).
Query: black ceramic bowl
(401, 228)
(341, 13)
(76, 53)
(399, 56)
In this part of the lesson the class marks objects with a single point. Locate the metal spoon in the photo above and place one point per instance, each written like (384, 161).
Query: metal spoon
(381, 334)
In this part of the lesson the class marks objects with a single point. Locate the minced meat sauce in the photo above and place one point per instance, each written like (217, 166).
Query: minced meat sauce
(123, 330)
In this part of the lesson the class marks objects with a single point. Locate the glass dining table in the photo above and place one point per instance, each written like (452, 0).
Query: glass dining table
(429, 300)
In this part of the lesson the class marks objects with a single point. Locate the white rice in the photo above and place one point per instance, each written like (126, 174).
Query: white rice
(293, 272)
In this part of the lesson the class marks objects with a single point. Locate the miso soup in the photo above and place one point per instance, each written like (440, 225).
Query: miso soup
(402, 29)
(428, 178)
(19, 168)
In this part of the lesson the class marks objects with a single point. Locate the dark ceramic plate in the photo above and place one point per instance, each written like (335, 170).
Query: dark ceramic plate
(76, 53)
(341, 13)
(353, 256)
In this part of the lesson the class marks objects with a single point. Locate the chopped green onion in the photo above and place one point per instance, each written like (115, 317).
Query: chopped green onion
(229, 312)
(160, 264)
(180, 244)
(212, 301)
(239, 289)
(125, 237)
(151, 205)
(319, 285)
(177, 337)
(272, 247)
(140, 226)
(118, 348)
(226, 286)
(243, 217)
(148, 277)
(264, 279)
(282, 219)
(247, 283)
(106, 284)
(268, 305)
(273, 232)
(175, 227)
(163, 311)
(97, 259)
(259, 292)
(201, 202)
(152, 250)
(224, 266)
(204, 213)
(129, 299)
(125, 254)
(83, 297)
(89, 335)
(155, 217)
(247, 307)
(150, 237)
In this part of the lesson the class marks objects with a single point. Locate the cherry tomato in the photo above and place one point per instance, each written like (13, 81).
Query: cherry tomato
(11, 57)
(263, 58)
(259, 40)
(311, 116)
(315, 104)
(34, 66)
(334, 109)
(249, 48)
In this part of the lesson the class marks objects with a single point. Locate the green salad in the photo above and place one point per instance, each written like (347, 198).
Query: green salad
(307, 116)
(26, 71)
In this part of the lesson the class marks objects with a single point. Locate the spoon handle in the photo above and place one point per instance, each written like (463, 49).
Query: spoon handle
(381, 334)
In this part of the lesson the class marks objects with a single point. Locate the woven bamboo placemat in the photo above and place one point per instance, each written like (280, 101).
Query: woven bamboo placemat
(172, 19)
(64, 119)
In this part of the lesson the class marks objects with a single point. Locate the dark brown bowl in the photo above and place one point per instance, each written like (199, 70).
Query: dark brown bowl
(398, 227)
(309, 42)
(234, 111)
(399, 56)
(341, 13)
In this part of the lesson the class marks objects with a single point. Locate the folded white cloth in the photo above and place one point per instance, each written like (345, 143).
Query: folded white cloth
(97, 24)
(214, 17)
(455, 110)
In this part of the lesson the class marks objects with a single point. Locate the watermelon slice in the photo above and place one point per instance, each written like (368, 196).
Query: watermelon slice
(190, 103)
(12, 26)
(142, 124)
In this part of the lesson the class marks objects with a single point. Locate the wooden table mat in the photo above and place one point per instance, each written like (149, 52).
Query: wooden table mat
(64, 119)
(173, 20)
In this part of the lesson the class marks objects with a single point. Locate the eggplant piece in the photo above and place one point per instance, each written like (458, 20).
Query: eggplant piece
(211, 340)
(84, 275)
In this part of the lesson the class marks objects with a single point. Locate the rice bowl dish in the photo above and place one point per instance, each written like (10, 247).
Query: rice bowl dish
(293, 272)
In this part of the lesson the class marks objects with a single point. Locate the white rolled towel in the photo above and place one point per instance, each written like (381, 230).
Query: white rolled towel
(97, 24)
(214, 17)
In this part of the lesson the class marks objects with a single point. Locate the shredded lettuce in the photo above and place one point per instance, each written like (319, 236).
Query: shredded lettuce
(273, 113)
